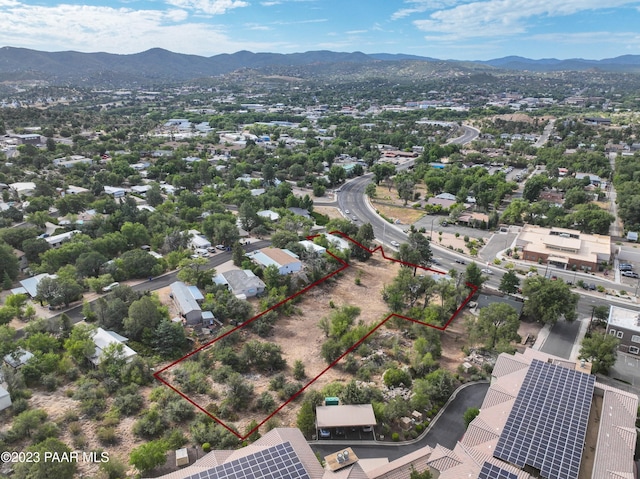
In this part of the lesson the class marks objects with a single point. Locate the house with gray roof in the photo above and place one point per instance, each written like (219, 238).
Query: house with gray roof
(242, 283)
(187, 305)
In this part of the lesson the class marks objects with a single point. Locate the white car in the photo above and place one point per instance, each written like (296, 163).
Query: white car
(108, 288)
(346, 212)
(395, 243)
(486, 271)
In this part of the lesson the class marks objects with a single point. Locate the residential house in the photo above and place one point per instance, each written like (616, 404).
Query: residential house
(187, 304)
(624, 324)
(18, 358)
(242, 283)
(593, 178)
(114, 191)
(56, 240)
(198, 241)
(300, 212)
(5, 399)
(286, 261)
(103, 339)
(269, 214)
(337, 242)
(24, 188)
(311, 247)
(30, 285)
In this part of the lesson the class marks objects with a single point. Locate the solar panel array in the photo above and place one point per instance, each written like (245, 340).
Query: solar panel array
(547, 426)
(491, 471)
(277, 462)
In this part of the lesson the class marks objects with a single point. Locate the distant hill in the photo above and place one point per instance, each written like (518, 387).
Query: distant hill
(160, 66)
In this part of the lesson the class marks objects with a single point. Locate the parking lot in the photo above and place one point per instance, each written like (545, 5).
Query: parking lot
(346, 433)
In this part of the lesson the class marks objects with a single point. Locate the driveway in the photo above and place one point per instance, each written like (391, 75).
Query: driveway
(445, 430)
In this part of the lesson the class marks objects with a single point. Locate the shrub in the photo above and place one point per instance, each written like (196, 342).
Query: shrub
(19, 405)
(107, 436)
(206, 447)
(395, 437)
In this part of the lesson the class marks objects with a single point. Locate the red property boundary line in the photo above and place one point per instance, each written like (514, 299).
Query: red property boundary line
(345, 265)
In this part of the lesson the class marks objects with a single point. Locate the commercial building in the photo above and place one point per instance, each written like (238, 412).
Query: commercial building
(624, 324)
(564, 248)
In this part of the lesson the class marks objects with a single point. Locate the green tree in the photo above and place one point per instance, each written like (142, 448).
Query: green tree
(8, 262)
(601, 350)
(473, 275)
(405, 185)
(170, 340)
(145, 314)
(298, 370)
(497, 323)
(534, 186)
(370, 190)
(509, 283)
(601, 313)
(239, 392)
(237, 253)
(547, 300)
(469, 415)
(306, 420)
(196, 271)
(79, 345)
(89, 264)
(47, 469)
(148, 456)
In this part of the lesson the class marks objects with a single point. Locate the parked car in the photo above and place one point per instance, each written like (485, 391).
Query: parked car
(625, 267)
(221, 247)
(340, 432)
(592, 287)
(108, 288)
(325, 433)
(630, 274)
(367, 428)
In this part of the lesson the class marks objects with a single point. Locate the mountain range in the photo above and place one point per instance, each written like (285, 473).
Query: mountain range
(161, 66)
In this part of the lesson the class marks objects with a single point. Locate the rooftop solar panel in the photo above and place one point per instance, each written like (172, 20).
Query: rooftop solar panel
(491, 471)
(548, 423)
(277, 462)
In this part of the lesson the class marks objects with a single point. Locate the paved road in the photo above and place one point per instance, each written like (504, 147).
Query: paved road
(75, 313)
(446, 431)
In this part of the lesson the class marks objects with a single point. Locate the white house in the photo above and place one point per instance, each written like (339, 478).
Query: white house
(270, 215)
(115, 191)
(5, 399)
(30, 285)
(337, 242)
(198, 241)
(102, 339)
(286, 261)
(56, 240)
(311, 247)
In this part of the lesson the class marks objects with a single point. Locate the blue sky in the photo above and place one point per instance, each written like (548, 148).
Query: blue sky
(445, 29)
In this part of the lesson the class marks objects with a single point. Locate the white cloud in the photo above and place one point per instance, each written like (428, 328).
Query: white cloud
(355, 32)
(495, 18)
(210, 7)
(257, 26)
(269, 4)
(301, 22)
(116, 30)
(421, 6)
